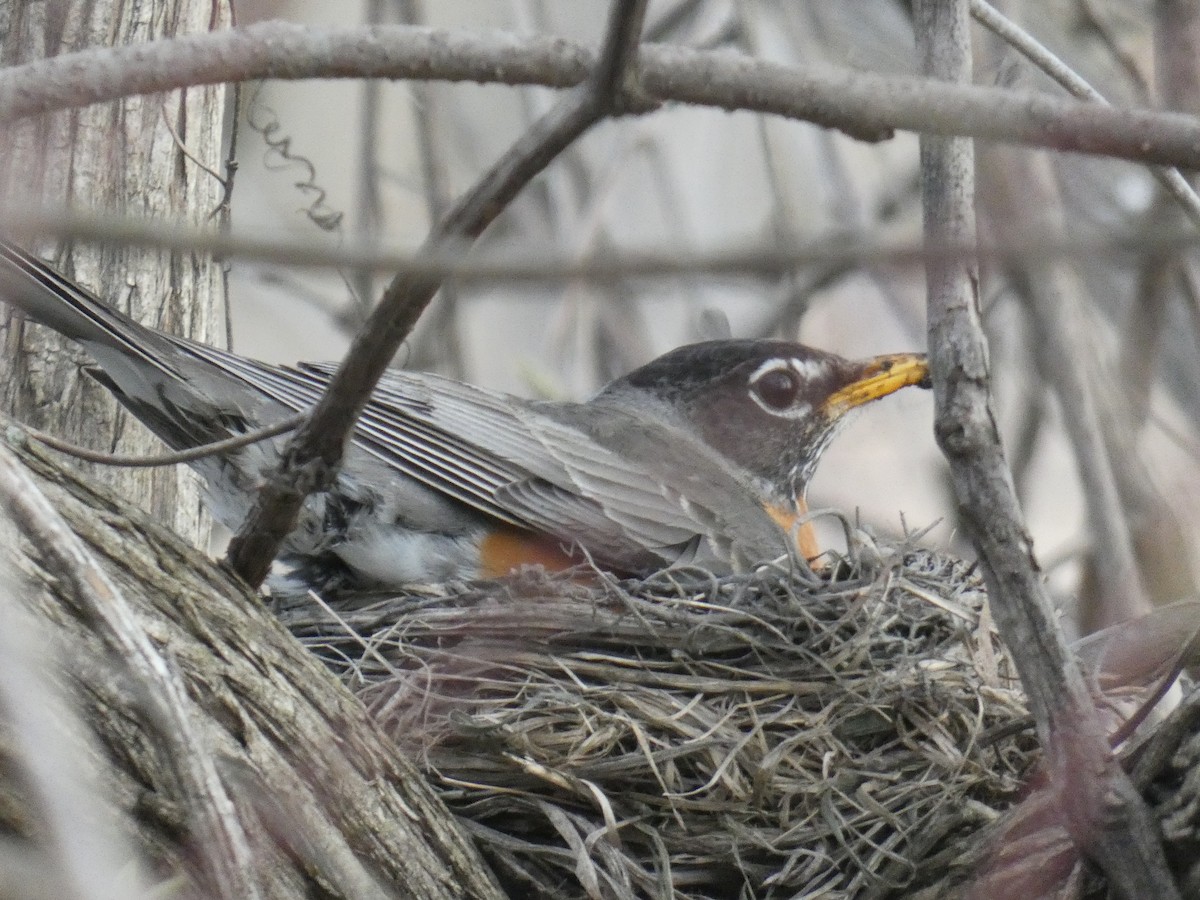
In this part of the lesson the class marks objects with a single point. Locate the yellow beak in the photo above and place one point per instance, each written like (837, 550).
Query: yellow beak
(881, 376)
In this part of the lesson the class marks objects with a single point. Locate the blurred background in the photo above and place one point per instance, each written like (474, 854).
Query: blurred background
(373, 163)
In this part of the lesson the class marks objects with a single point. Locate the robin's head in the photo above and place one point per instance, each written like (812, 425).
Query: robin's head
(770, 407)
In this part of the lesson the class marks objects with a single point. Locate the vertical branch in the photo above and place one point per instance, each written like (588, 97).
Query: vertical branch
(369, 214)
(1102, 811)
(444, 352)
(1022, 196)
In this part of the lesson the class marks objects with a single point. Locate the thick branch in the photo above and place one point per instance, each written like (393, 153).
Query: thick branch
(184, 677)
(223, 848)
(1104, 814)
(862, 104)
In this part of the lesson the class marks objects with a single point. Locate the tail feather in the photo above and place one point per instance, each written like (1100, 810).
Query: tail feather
(183, 399)
(74, 312)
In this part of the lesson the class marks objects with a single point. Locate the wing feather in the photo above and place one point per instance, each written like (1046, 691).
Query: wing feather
(598, 474)
(533, 465)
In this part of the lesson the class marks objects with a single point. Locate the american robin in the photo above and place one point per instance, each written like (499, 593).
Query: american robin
(701, 456)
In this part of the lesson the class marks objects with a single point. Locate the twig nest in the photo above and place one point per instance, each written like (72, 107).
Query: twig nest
(765, 735)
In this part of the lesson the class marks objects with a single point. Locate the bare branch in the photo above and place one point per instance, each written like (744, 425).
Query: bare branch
(314, 452)
(1103, 812)
(322, 793)
(369, 220)
(445, 352)
(175, 458)
(616, 80)
(752, 261)
(1021, 193)
(864, 105)
(1092, 18)
(1171, 180)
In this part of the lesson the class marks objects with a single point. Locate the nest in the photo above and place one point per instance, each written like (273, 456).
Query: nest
(769, 735)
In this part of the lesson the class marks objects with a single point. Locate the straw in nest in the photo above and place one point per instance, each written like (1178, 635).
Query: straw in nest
(760, 736)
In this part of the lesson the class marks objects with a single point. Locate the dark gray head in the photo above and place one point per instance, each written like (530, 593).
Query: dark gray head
(770, 407)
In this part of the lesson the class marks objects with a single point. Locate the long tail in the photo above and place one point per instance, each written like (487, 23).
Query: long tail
(73, 311)
(185, 392)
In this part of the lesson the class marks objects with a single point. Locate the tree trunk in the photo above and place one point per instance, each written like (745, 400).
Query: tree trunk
(220, 750)
(141, 157)
(310, 798)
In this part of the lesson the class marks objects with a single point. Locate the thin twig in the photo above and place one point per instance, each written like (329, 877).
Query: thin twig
(1124, 59)
(444, 353)
(1101, 809)
(369, 218)
(754, 261)
(1171, 180)
(184, 149)
(165, 459)
(315, 451)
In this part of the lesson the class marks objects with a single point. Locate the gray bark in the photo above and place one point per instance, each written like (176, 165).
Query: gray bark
(319, 800)
(118, 158)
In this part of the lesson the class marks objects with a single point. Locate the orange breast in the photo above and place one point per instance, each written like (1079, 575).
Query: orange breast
(805, 536)
(506, 549)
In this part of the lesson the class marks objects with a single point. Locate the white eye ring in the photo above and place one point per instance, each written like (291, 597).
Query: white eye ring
(780, 398)
(777, 388)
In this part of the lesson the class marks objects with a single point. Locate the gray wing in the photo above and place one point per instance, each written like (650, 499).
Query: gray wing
(537, 466)
(532, 465)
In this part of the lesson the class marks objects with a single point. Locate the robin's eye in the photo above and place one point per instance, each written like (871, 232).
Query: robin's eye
(777, 388)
